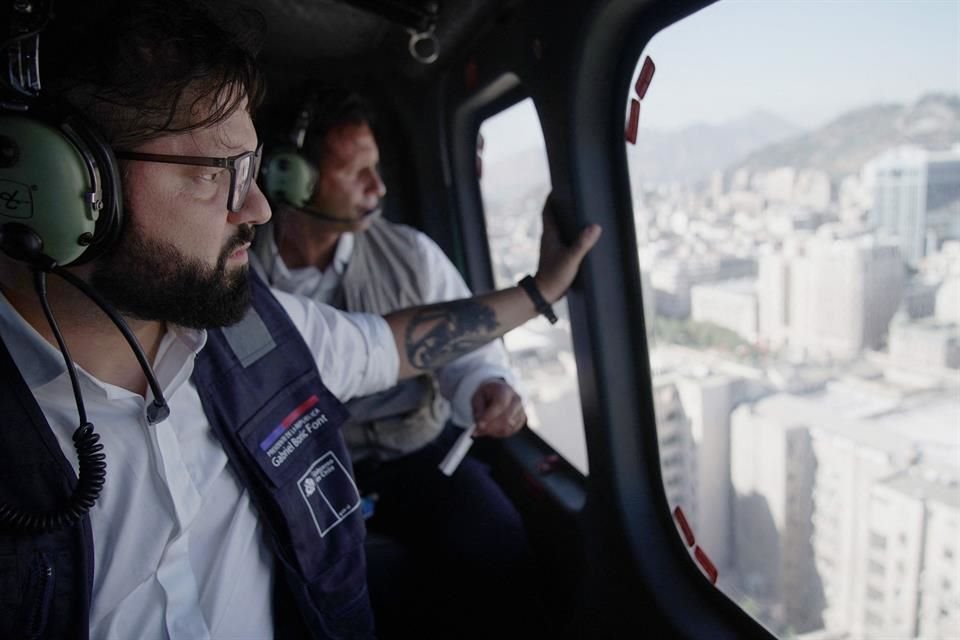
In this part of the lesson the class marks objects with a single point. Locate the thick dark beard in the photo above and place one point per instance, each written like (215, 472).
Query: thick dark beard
(153, 280)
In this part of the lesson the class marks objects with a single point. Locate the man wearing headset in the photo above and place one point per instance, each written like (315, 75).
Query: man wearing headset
(228, 509)
(459, 537)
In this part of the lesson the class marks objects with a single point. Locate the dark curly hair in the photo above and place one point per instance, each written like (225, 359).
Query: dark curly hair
(141, 69)
(332, 106)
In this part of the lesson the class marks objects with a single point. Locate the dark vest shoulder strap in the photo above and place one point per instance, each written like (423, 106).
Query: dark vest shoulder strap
(45, 579)
(280, 427)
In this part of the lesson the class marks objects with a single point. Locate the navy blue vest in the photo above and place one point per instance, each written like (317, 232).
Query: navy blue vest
(279, 426)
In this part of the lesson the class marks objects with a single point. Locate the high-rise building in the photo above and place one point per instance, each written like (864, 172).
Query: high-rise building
(693, 430)
(847, 289)
(909, 588)
(863, 434)
(833, 297)
(707, 402)
(810, 471)
(773, 299)
(677, 452)
(893, 555)
(771, 472)
(916, 197)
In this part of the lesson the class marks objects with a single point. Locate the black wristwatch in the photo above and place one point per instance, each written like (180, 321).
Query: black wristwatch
(543, 307)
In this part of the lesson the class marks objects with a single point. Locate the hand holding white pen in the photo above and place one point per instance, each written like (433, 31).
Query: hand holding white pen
(457, 452)
(498, 409)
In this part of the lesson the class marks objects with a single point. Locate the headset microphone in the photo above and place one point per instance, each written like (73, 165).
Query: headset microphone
(341, 223)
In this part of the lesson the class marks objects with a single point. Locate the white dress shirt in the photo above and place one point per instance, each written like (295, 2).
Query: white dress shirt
(458, 379)
(179, 550)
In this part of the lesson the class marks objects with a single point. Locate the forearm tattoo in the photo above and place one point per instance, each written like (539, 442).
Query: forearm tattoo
(441, 333)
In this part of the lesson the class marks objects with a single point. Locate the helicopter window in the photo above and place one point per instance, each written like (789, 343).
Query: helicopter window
(796, 188)
(514, 183)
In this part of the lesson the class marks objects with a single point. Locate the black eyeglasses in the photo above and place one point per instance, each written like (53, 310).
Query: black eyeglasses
(243, 169)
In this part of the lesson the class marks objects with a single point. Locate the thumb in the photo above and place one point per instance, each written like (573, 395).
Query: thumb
(479, 402)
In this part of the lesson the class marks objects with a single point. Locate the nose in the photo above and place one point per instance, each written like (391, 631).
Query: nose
(376, 185)
(255, 209)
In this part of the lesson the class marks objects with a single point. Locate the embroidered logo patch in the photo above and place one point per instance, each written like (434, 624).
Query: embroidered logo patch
(293, 431)
(329, 492)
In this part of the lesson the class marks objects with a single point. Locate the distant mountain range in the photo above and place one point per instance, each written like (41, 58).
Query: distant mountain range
(842, 146)
(685, 155)
(761, 140)
(693, 153)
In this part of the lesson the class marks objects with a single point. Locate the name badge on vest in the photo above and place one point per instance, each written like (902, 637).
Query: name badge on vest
(294, 441)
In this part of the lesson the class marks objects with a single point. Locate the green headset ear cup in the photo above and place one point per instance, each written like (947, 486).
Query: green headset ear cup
(102, 161)
(58, 179)
(289, 178)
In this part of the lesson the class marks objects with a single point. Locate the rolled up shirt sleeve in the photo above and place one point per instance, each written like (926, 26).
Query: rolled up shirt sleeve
(355, 352)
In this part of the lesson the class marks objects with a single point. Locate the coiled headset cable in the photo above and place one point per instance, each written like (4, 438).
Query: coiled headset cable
(158, 409)
(91, 460)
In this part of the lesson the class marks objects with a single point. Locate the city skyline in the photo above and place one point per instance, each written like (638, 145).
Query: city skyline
(799, 372)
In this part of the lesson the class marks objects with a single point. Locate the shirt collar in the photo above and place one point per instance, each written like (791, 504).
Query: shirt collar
(341, 256)
(40, 363)
(279, 269)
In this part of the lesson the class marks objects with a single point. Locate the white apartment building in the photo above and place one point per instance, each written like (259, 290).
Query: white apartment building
(773, 299)
(940, 588)
(731, 304)
(772, 467)
(672, 276)
(707, 402)
(911, 580)
(924, 344)
(894, 555)
(865, 433)
(840, 293)
(804, 467)
(675, 442)
(693, 430)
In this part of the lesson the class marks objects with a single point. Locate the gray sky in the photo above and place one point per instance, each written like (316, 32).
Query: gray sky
(807, 61)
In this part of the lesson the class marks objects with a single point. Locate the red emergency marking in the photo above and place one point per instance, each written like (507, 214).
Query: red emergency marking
(471, 75)
(706, 564)
(549, 464)
(643, 80)
(633, 122)
(684, 526)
